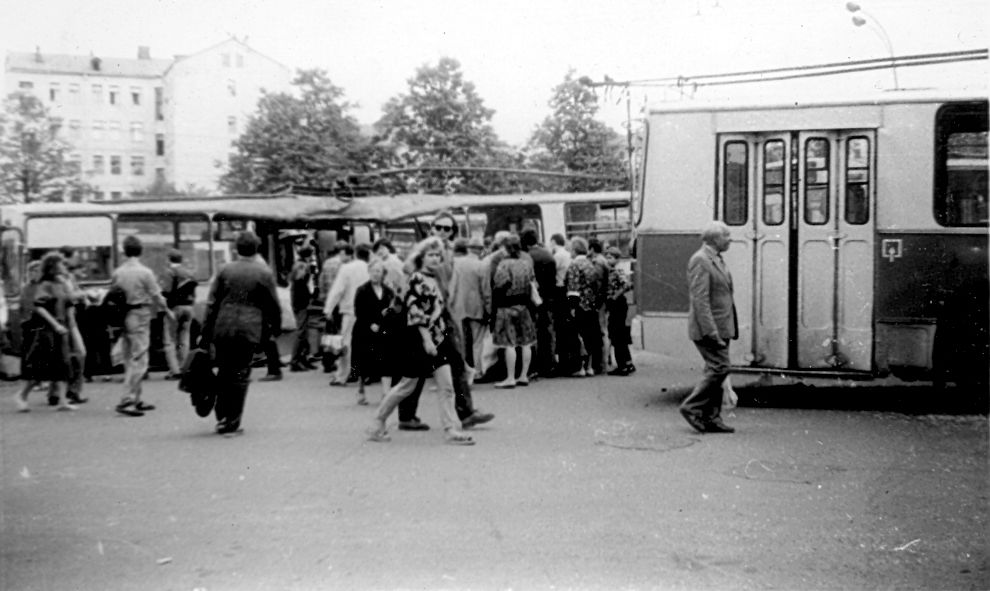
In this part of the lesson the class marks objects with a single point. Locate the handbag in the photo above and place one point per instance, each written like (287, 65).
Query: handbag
(199, 381)
(333, 344)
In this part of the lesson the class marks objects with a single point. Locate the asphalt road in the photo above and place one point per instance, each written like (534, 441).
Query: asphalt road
(592, 483)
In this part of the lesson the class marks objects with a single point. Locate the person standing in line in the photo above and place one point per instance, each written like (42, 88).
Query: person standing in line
(300, 294)
(352, 274)
(596, 253)
(567, 349)
(429, 337)
(583, 293)
(371, 301)
(470, 301)
(545, 269)
(45, 354)
(179, 289)
(144, 297)
(242, 311)
(617, 306)
(512, 294)
(712, 323)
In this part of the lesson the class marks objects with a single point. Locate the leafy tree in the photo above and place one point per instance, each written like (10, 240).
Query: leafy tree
(161, 188)
(571, 140)
(34, 161)
(440, 122)
(309, 139)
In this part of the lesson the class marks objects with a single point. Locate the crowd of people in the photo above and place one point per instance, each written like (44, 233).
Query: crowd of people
(460, 311)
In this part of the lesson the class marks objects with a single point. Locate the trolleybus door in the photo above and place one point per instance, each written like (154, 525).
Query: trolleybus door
(754, 189)
(834, 250)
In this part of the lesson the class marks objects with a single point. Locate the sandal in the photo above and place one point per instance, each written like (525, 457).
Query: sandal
(506, 384)
(458, 438)
(379, 434)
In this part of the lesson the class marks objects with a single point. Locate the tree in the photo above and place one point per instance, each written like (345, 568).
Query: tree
(309, 139)
(570, 139)
(34, 161)
(440, 122)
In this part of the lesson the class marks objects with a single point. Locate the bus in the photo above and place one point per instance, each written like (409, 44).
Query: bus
(859, 231)
(204, 229)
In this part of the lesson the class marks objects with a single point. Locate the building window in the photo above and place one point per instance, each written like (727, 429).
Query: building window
(75, 163)
(232, 125)
(115, 165)
(97, 93)
(98, 165)
(159, 103)
(114, 95)
(961, 157)
(137, 165)
(74, 127)
(25, 85)
(240, 61)
(159, 175)
(135, 96)
(97, 130)
(159, 144)
(115, 195)
(99, 196)
(137, 131)
(225, 59)
(114, 130)
(232, 87)
(53, 91)
(74, 92)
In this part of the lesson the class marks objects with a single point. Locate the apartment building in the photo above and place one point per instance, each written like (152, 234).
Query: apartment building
(132, 121)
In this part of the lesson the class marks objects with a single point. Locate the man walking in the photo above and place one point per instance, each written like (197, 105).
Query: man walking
(144, 296)
(712, 324)
(471, 301)
(242, 312)
(352, 275)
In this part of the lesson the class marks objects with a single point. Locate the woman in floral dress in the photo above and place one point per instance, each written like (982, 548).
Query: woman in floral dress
(512, 294)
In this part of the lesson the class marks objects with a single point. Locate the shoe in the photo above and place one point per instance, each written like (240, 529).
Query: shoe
(22, 405)
(272, 377)
(379, 434)
(52, 401)
(76, 399)
(171, 377)
(127, 408)
(296, 367)
(522, 383)
(231, 434)
(336, 382)
(144, 406)
(67, 406)
(476, 418)
(619, 371)
(630, 369)
(362, 401)
(228, 429)
(717, 426)
(694, 421)
(458, 438)
(506, 384)
(413, 425)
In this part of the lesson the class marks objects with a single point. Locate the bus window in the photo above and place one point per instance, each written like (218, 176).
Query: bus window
(857, 209)
(157, 239)
(961, 165)
(773, 183)
(735, 183)
(10, 269)
(816, 167)
(194, 244)
(609, 222)
(91, 236)
(512, 218)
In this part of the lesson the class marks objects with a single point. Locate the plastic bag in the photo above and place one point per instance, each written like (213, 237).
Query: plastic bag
(729, 397)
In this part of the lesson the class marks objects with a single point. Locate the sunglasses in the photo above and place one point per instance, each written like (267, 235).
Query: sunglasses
(442, 227)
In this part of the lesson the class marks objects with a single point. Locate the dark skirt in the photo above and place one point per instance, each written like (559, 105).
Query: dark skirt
(618, 332)
(514, 327)
(45, 354)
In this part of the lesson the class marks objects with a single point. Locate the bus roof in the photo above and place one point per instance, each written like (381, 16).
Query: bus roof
(805, 100)
(291, 208)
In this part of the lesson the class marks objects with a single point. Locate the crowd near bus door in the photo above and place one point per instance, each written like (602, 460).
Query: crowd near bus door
(835, 223)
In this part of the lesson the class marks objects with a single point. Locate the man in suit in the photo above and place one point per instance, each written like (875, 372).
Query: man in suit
(242, 312)
(711, 325)
(545, 269)
(471, 300)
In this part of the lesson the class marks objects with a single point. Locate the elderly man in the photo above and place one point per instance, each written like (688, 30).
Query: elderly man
(241, 313)
(471, 300)
(712, 324)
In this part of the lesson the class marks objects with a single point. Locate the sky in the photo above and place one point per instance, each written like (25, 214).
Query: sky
(516, 51)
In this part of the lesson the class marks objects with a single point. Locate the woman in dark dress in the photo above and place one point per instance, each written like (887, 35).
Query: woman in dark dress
(371, 300)
(45, 354)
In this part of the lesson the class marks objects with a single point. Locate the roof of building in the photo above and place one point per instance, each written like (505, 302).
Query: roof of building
(53, 63)
(183, 59)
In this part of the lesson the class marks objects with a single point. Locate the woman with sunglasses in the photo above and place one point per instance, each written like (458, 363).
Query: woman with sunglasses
(429, 346)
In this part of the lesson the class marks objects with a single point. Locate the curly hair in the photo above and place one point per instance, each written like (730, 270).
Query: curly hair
(49, 266)
(421, 248)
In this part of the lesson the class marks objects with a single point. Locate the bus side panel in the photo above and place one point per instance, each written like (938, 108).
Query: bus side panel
(680, 176)
(932, 303)
(905, 152)
(662, 289)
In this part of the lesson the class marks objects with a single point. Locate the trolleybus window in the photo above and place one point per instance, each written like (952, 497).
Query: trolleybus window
(961, 165)
(609, 222)
(91, 236)
(857, 181)
(735, 182)
(816, 175)
(773, 183)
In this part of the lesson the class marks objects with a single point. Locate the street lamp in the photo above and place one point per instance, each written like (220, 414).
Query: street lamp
(858, 20)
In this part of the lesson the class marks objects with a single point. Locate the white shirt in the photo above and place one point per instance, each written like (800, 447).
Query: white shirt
(562, 257)
(351, 276)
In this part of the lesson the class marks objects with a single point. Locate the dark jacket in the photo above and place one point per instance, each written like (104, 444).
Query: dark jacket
(545, 269)
(243, 304)
(367, 346)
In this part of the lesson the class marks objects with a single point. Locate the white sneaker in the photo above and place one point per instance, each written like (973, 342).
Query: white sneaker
(67, 406)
